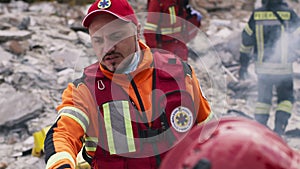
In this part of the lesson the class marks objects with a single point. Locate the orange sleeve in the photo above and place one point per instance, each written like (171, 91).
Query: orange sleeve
(64, 139)
(201, 103)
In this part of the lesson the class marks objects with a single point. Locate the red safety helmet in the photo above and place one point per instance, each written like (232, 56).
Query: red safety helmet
(231, 143)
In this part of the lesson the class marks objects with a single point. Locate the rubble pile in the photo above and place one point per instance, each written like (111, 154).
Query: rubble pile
(43, 47)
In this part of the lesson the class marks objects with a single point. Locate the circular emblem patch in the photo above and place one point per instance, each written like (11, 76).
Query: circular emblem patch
(103, 4)
(181, 119)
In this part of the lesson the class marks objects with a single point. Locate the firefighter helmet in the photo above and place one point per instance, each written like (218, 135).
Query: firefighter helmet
(232, 143)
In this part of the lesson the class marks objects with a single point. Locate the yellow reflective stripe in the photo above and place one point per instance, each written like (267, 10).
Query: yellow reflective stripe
(108, 127)
(166, 31)
(91, 143)
(267, 15)
(248, 30)
(59, 156)
(260, 43)
(273, 68)
(128, 127)
(284, 15)
(76, 114)
(285, 106)
(284, 45)
(262, 108)
(172, 14)
(245, 49)
(209, 118)
(150, 26)
(93, 139)
(90, 148)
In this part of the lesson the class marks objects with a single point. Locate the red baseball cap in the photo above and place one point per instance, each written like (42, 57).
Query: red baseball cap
(118, 8)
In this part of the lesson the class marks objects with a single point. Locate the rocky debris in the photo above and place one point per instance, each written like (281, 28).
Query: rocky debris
(43, 47)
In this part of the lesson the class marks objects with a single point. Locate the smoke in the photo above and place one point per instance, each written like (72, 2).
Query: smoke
(286, 45)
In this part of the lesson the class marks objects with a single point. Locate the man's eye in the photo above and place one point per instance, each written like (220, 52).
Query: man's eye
(117, 36)
(98, 40)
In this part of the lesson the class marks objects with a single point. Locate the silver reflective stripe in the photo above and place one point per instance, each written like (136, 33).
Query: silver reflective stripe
(76, 114)
(273, 68)
(118, 127)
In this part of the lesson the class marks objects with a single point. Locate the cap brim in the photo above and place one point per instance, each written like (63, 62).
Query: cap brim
(89, 17)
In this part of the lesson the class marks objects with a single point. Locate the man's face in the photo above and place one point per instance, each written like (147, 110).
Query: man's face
(113, 40)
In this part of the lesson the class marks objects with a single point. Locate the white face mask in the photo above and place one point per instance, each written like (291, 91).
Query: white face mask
(133, 64)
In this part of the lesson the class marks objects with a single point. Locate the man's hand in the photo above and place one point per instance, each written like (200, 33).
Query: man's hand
(198, 14)
(193, 12)
(243, 73)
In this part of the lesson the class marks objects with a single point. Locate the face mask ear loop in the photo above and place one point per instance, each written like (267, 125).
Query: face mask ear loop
(138, 50)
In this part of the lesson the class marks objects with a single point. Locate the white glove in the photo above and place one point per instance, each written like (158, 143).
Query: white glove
(198, 14)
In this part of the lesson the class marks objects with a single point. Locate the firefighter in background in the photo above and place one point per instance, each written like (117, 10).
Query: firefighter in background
(232, 143)
(170, 25)
(266, 38)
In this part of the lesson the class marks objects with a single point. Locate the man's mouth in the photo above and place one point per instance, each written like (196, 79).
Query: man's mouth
(110, 57)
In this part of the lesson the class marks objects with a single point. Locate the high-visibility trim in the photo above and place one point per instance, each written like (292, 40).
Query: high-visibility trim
(59, 156)
(128, 127)
(246, 49)
(172, 13)
(268, 15)
(119, 130)
(209, 118)
(165, 31)
(150, 26)
(273, 68)
(91, 149)
(260, 43)
(286, 106)
(76, 114)
(262, 108)
(248, 30)
(108, 127)
(268, 22)
(93, 139)
(284, 45)
(91, 143)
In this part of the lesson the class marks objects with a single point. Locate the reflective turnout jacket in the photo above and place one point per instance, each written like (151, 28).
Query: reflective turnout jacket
(268, 38)
(115, 117)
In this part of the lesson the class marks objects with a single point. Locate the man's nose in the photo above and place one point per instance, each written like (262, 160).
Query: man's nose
(108, 46)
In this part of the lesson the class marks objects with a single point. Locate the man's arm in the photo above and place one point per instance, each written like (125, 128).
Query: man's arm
(152, 24)
(64, 139)
(201, 103)
(246, 47)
